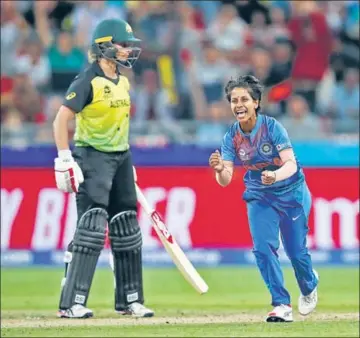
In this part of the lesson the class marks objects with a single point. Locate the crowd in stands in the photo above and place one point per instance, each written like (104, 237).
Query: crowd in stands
(306, 53)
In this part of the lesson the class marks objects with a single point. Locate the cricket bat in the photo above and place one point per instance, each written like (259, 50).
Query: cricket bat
(177, 254)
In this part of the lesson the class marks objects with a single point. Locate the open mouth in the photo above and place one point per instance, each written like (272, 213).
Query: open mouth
(240, 113)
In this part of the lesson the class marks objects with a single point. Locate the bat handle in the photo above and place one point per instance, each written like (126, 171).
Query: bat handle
(142, 200)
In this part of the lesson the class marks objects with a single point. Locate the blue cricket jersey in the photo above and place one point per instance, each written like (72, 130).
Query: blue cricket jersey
(259, 151)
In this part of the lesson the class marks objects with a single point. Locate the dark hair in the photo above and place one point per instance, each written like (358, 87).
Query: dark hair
(250, 82)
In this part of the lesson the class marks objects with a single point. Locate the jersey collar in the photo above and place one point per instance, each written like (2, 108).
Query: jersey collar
(100, 72)
(255, 130)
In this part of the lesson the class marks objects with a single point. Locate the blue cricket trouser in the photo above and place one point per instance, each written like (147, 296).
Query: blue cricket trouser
(288, 214)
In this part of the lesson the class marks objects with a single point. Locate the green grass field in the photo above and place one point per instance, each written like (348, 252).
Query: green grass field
(235, 306)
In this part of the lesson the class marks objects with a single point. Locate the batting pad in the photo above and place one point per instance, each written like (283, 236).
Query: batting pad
(126, 243)
(89, 240)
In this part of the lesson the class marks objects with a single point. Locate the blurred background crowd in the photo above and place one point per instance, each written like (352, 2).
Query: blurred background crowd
(306, 53)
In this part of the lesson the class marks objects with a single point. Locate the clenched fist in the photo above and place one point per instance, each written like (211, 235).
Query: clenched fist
(268, 177)
(216, 162)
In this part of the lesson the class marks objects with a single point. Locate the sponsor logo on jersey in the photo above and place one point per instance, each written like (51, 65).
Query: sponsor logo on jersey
(243, 155)
(71, 96)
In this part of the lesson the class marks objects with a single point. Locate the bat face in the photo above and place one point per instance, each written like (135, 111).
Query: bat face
(155, 216)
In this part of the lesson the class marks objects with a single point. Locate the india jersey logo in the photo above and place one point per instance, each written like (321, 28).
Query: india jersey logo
(266, 148)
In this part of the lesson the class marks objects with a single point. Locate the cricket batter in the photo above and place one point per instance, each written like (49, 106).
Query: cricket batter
(277, 196)
(100, 172)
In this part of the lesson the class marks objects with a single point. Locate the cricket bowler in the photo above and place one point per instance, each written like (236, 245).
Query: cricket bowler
(277, 197)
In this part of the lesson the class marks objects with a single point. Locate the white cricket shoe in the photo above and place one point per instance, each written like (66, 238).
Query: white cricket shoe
(76, 311)
(307, 304)
(280, 314)
(137, 310)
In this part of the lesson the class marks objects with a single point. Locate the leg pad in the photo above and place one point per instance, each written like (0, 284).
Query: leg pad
(126, 244)
(89, 240)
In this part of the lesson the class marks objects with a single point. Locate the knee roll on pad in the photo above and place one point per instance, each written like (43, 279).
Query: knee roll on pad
(126, 243)
(89, 240)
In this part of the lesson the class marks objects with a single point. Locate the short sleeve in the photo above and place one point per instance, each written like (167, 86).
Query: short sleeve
(280, 137)
(227, 148)
(79, 94)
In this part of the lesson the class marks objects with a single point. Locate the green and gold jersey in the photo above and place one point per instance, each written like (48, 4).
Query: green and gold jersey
(102, 107)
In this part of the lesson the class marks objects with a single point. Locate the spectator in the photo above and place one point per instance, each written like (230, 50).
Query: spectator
(153, 21)
(14, 131)
(210, 115)
(26, 99)
(153, 114)
(282, 56)
(333, 10)
(23, 5)
(260, 34)
(338, 59)
(210, 132)
(7, 85)
(301, 49)
(189, 45)
(311, 36)
(211, 72)
(87, 15)
(14, 30)
(64, 55)
(207, 9)
(246, 8)
(260, 61)
(344, 101)
(51, 107)
(151, 101)
(56, 11)
(279, 85)
(352, 17)
(66, 58)
(284, 5)
(278, 29)
(32, 57)
(301, 120)
(228, 32)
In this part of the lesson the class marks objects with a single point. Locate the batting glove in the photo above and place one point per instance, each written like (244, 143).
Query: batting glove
(68, 174)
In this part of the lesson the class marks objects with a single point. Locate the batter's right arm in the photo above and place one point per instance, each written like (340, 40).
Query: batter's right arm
(60, 127)
(68, 174)
(78, 95)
